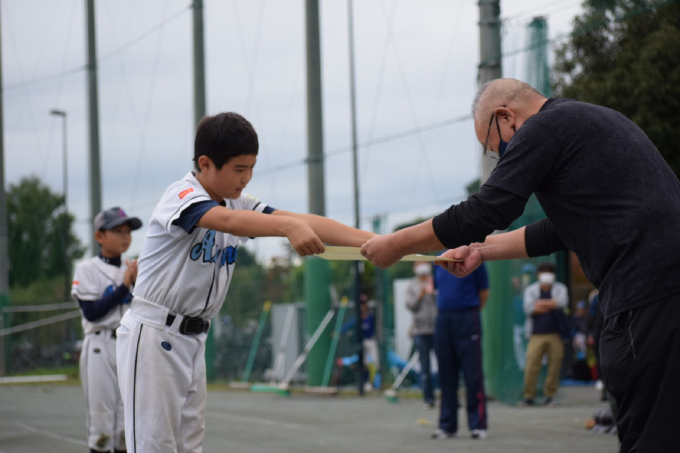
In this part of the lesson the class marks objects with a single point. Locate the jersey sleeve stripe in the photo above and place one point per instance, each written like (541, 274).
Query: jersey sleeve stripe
(179, 210)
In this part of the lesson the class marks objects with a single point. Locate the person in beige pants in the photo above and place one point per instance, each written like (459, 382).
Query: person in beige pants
(542, 300)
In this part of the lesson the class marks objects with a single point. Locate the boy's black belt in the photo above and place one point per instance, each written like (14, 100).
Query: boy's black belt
(189, 326)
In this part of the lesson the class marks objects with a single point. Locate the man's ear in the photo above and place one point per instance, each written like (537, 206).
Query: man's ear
(504, 114)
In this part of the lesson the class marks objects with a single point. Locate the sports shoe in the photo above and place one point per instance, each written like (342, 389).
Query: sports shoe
(478, 434)
(549, 402)
(526, 402)
(429, 405)
(441, 434)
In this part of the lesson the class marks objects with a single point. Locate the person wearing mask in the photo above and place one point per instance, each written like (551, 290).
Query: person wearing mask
(420, 300)
(542, 302)
(610, 198)
(458, 344)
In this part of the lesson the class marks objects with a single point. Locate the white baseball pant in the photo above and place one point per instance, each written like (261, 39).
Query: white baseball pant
(162, 379)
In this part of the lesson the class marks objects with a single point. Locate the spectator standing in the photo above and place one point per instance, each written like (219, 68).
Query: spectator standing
(420, 299)
(543, 301)
(458, 344)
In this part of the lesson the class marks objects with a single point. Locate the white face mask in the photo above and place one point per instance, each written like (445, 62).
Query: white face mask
(423, 269)
(546, 278)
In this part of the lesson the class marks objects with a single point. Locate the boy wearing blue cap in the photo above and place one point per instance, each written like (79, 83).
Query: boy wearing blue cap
(102, 286)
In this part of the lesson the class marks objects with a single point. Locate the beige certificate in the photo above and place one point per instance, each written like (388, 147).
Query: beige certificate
(334, 252)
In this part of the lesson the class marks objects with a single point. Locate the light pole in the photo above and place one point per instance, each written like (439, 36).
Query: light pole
(67, 271)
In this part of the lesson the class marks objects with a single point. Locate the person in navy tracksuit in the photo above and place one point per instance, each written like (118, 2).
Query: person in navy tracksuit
(458, 344)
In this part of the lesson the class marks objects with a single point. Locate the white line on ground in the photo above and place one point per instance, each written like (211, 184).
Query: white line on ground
(28, 379)
(49, 434)
(260, 421)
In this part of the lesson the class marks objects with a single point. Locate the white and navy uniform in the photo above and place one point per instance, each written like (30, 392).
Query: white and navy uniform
(103, 299)
(183, 277)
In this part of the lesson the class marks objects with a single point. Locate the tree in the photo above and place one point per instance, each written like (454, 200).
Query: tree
(623, 54)
(36, 225)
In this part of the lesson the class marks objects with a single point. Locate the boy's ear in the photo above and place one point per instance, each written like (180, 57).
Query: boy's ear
(99, 236)
(204, 163)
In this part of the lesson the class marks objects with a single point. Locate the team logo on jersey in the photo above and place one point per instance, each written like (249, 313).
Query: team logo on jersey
(185, 192)
(211, 252)
(126, 300)
(167, 346)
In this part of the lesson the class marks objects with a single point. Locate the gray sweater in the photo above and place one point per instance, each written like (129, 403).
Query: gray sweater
(424, 309)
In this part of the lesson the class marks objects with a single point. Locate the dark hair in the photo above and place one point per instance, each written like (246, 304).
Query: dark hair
(546, 266)
(224, 136)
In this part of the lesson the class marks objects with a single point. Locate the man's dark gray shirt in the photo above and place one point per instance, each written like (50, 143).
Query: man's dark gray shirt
(608, 194)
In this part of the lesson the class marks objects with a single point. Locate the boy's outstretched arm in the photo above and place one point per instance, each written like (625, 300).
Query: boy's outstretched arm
(255, 224)
(330, 231)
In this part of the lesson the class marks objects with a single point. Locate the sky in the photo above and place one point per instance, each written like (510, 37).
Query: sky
(415, 72)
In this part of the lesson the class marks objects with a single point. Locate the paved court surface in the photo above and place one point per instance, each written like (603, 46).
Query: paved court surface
(50, 418)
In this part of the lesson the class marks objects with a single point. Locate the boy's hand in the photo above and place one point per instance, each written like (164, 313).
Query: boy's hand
(381, 251)
(130, 276)
(303, 239)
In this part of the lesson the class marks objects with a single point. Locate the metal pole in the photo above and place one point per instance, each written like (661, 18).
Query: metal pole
(489, 57)
(199, 113)
(95, 171)
(199, 63)
(315, 158)
(317, 271)
(4, 252)
(357, 218)
(67, 263)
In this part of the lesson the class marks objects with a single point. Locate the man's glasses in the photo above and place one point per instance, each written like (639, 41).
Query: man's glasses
(487, 153)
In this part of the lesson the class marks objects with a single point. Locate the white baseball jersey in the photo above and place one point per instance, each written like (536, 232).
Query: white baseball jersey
(94, 279)
(188, 273)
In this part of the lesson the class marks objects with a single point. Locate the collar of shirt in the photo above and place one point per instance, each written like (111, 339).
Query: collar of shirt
(112, 261)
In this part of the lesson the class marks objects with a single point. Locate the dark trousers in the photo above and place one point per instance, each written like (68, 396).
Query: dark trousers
(458, 344)
(425, 344)
(640, 361)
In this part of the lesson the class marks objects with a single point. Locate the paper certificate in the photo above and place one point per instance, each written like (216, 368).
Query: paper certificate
(354, 254)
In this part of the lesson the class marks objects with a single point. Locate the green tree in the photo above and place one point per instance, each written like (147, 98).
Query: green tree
(36, 225)
(623, 54)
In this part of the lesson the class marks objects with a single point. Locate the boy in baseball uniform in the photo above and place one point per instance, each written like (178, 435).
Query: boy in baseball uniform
(102, 286)
(185, 266)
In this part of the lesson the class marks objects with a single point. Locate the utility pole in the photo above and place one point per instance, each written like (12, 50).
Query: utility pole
(489, 58)
(4, 252)
(199, 113)
(317, 270)
(65, 231)
(357, 219)
(199, 62)
(95, 168)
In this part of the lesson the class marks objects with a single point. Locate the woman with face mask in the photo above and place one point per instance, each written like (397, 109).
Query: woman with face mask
(421, 301)
(542, 302)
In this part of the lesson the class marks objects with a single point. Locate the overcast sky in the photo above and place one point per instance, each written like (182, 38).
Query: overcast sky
(416, 66)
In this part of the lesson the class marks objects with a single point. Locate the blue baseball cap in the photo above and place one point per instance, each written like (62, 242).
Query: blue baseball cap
(114, 217)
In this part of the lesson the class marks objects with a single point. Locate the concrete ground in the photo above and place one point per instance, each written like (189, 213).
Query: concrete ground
(51, 418)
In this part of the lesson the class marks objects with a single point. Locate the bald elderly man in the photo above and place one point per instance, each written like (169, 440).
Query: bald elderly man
(611, 198)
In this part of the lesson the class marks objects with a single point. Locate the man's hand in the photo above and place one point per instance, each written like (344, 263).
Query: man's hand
(303, 238)
(381, 251)
(470, 258)
(544, 306)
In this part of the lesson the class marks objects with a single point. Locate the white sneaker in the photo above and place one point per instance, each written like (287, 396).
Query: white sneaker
(479, 434)
(441, 434)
